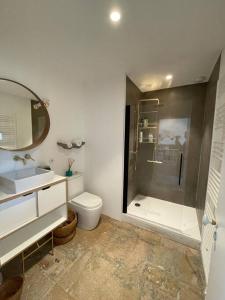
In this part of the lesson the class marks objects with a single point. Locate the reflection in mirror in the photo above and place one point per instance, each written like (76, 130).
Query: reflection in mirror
(24, 120)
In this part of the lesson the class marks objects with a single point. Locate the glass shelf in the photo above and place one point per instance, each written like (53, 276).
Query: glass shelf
(149, 112)
(147, 142)
(148, 127)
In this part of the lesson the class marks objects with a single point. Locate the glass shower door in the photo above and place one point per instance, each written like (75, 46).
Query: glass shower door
(170, 154)
(162, 155)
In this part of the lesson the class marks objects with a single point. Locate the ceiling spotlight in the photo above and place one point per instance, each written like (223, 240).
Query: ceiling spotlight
(200, 79)
(115, 16)
(169, 77)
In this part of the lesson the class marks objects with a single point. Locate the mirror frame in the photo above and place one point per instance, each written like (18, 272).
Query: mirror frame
(47, 127)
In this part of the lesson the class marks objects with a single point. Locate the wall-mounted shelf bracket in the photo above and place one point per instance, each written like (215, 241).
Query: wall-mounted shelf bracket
(73, 145)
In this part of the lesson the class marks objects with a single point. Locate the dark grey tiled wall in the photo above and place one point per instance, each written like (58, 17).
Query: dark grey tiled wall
(206, 140)
(196, 102)
(181, 102)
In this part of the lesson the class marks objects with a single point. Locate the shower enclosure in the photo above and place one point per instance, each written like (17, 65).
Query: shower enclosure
(162, 152)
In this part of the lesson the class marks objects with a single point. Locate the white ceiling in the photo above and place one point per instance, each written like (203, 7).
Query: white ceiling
(76, 38)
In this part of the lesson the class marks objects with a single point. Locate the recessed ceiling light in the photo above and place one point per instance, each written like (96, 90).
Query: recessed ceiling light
(200, 79)
(115, 16)
(169, 77)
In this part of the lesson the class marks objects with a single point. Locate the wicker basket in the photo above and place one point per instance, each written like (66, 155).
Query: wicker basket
(63, 240)
(11, 289)
(67, 230)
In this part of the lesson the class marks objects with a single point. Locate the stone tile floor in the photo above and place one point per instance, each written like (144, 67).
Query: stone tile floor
(116, 261)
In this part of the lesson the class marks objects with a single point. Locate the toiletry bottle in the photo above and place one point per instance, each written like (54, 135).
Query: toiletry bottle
(145, 123)
(141, 137)
(150, 138)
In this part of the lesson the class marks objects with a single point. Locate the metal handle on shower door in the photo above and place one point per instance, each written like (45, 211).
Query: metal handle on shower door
(135, 160)
(180, 170)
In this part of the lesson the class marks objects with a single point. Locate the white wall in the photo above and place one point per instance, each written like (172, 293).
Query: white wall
(66, 116)
(214, 257)
(215, 179)
(104, 115)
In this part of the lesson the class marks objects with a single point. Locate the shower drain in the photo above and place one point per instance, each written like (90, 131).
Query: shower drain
(137, 204)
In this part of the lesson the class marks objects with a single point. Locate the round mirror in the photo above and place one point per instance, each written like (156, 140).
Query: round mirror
(24, 119)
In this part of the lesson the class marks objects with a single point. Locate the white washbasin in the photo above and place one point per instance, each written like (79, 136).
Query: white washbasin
(25, 179)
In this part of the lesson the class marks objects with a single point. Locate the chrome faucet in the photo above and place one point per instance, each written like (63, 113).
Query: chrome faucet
(23, 159)
(18, 158)
(28, 156)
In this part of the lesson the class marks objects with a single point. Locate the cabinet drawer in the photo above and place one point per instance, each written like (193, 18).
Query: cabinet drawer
(51, 197)
(15, 213)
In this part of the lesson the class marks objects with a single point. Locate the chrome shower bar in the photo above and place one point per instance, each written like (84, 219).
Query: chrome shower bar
(153, 99)
(154, 161)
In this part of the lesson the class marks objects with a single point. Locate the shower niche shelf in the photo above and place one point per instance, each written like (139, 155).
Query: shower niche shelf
(147, 125)
(147, 142)
(149, 112)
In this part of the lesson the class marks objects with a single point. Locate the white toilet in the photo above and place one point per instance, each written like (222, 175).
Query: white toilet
(87, 206)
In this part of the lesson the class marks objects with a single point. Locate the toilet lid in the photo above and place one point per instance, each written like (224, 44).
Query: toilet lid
(87, 200)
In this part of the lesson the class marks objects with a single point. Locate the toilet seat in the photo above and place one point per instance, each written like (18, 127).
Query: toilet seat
(87, 200)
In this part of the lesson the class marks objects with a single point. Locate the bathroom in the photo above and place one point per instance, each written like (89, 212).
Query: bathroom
(87, 67)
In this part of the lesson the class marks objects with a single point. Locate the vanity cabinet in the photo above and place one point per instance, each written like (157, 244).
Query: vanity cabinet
(33, 201)
(17, 212)
(51, 197)
(27, 217)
